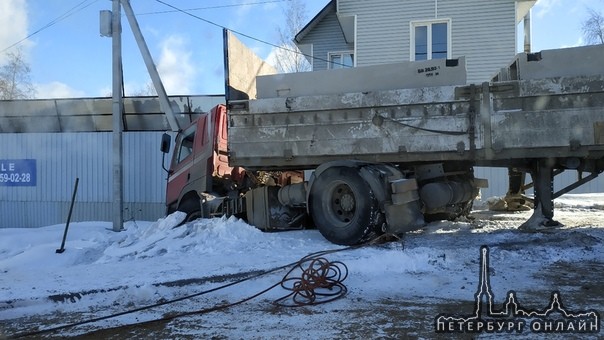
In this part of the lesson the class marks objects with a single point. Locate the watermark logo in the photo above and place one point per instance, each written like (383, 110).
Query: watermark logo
(511, 317)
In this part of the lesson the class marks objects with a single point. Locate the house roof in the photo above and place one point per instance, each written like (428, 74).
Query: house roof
(329, 8)
(523, 7)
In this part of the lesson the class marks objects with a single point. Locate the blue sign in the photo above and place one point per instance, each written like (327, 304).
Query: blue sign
(18, 172)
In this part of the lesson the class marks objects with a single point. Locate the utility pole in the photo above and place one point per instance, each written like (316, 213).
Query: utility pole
(118, 123)
(110, 26)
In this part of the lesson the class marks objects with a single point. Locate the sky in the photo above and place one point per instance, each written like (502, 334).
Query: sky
(69, 58)
(394, 290)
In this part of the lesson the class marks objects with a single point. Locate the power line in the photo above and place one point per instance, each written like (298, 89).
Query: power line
(218, 25)
(215, 7)
(249, 36)
(73, 11)
(77, 8)
(87, 3)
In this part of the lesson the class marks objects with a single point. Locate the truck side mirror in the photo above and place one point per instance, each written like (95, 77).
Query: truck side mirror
(166, 140)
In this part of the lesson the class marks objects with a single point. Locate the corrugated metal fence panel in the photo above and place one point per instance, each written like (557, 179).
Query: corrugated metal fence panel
(60, 159)
(18, 214)
(36, 214)
(63, 157)
(570, 176)
(498, 182)
(144, 178)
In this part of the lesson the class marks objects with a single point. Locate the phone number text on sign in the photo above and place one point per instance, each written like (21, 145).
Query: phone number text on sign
(17, 172)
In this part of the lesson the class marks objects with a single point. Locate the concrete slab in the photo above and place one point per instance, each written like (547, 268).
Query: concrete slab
(404, 75)
(563, 62)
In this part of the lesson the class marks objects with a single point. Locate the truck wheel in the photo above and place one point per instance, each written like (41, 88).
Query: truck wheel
(343, 206)
(192, 208)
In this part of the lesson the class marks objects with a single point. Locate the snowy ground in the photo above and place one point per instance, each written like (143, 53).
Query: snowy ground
(395, 290)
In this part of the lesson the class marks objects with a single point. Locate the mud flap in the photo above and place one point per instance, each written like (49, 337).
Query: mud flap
(265, 212)
(404, 217)
(404, 212)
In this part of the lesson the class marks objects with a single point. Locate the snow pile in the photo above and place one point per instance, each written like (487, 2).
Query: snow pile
(166, 238)
(580, 201)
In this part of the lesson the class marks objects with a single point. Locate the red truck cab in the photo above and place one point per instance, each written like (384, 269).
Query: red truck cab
(199, 167)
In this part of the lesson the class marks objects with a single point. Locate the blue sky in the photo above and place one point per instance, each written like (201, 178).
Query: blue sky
(70, 59)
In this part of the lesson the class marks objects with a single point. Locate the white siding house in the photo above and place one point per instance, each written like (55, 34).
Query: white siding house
(389, 31)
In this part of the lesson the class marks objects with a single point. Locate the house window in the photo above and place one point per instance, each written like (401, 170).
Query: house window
(430, 40)
(341, 60)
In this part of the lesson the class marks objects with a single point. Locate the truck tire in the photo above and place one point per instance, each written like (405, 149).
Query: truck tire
(192, 208)
(343, 206)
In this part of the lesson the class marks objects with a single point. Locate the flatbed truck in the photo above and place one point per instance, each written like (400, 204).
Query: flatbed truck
(384, 149)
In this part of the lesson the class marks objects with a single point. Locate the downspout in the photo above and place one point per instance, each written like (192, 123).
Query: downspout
(435, 9)
(527, 32)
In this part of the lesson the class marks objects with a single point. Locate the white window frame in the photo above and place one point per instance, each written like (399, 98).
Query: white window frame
(429, 23)
(341, 54)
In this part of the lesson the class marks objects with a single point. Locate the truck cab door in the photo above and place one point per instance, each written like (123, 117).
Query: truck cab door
(192, 166)
(180, 167)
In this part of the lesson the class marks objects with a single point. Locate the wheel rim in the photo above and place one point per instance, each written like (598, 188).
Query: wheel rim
(193, 216)
(343, 203)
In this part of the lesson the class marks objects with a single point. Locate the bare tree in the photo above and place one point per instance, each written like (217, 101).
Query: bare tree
(593, 27)
(289, 58)
(15, 79)
(147, 90)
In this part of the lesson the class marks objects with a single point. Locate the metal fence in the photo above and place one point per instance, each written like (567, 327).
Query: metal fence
(60, 158)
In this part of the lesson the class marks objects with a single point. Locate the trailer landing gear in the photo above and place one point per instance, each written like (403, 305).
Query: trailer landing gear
(543, 214)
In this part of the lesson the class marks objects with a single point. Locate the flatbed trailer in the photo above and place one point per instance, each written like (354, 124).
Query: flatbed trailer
(394, 146)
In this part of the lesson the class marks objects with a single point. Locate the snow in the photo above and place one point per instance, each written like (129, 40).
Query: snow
(103, 272)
